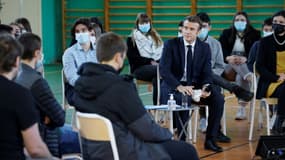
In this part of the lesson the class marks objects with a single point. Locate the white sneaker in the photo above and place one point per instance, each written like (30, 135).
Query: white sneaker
(241, 113)
(203, 125)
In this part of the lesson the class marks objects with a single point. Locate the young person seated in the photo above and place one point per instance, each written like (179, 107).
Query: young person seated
(144, 51)
(100, 89)
(236, 42)
(270, 66)
(218, 68)
(80, 52)
(18, 117)
(51, 114)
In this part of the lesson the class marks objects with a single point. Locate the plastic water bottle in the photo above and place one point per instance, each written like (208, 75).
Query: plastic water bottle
(171, 102)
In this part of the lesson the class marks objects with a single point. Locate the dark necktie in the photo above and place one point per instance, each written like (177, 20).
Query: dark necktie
(189, 57)
(187, 64)
(189, 54)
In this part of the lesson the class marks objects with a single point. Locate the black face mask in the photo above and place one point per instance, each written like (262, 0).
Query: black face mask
(278, 28)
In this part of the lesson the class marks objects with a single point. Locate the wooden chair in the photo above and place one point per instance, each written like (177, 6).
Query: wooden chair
(98, 128)
(266, 101)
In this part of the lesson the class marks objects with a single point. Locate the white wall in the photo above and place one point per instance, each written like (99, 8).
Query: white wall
(30, 9)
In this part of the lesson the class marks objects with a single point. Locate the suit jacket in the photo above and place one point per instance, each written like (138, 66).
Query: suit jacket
(135, 59)
(173, 60)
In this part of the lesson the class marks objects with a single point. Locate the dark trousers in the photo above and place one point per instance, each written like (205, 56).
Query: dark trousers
(280, 94)
(69, 92)
(219, 81)
(216, 107)
(179, 150)
(148, 73)
(222, 82)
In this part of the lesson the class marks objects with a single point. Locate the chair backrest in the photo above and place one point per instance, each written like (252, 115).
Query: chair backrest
(96, 127)
(63, 80)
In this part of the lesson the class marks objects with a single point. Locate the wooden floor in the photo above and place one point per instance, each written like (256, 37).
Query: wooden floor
(240, 147)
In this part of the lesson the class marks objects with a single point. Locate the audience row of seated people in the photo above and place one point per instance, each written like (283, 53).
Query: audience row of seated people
(20, 118)
(218, 69)
(185, 64)
(125, 111)
(45, 116)
(235, 44)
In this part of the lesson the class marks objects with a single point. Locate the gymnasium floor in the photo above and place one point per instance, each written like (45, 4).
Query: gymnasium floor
(239, 149)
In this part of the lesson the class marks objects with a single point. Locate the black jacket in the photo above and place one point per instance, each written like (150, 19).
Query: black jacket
(134, 57)
(46, 104)
(101, 90)
(266, 64)
(228, 37)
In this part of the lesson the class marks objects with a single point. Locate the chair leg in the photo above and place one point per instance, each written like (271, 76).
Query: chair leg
(207, 114)
(252, 109)
(272, 120)
(171, 121)
(224, 122)
(190, 137)
(260, 116)
(267, 119)
(195, 125)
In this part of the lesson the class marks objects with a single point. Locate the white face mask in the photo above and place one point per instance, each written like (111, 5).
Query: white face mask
(179, 34)
(240, 25)
(93, 39)
(265, 34)
(40, 63)
(203, 33)
(82, 38)
(144, 27)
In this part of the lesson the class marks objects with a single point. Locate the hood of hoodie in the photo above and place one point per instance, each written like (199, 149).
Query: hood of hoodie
(95, 79)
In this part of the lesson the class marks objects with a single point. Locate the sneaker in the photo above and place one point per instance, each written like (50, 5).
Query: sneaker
(242, 93)
(241, 114)
(203, 125)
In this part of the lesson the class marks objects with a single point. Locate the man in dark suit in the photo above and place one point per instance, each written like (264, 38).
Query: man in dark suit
(186, 65)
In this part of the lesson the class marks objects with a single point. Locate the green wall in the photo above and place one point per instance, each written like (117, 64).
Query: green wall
(122, 15)
(51, 31)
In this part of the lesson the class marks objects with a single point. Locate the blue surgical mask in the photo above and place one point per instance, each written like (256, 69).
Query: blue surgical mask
(82, 38)
(265, 34)
(144, 27)
(203, 33)
(240, 25)
(40, 63)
